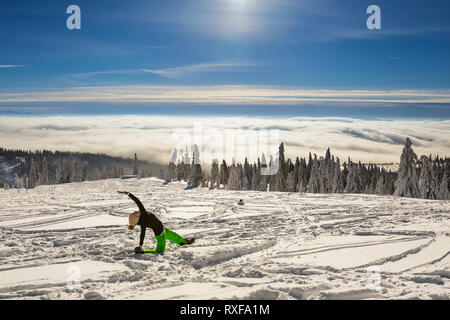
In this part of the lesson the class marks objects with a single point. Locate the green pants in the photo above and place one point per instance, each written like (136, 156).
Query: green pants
(167, 235)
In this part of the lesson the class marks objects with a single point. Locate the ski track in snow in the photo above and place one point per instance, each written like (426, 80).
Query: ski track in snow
(276, 246)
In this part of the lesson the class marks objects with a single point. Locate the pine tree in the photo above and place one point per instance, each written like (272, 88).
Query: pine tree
(104, 173)
(33, 177)
(72, 170)
(214, 174)
(314, 181)
(290, 181)
(223, 173)
(180, 170)
(43, 176)
(98, 175)
(407, 182)
(381, 188)
(444, 193)
(57, 177)
(256, 176)
(281, 174)
(241, 175)
(135, 167)
(247, 181)
(234, 181)
(172, 167)
(187, 165)
(17, 182)
(338, 182)
(196, 177)
(84, 171)
(353, 179)
(427, 182)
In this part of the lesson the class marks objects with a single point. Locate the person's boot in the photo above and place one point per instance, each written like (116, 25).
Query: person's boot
(188, 241)
(138, 250)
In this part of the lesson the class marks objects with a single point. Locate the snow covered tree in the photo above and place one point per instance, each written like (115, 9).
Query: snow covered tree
(17, 182)
(326, 171)
(302, 182)
(337, 182)
(223, 173)
(84, 171)
(58, 173)
(196, 177)
(98, 175)
(314, 181)
(247, 178)
(427, 182)
(104, 173)
(281, 175)
(256, 176)
(271, 181)
(241, 174)
(353, 179)
(443, 189)
(43, 176)
(172, 167)
(381, 187)
(407, 182)
(214, 174)
(135, 167)
(180, 170)
(264, 178)
(33, 176)
(234, 180)
(290, 181)
(187, 165)
(71, 168)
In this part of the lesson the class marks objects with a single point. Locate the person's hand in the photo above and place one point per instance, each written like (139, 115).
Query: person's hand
(138, 250)
(124, 192)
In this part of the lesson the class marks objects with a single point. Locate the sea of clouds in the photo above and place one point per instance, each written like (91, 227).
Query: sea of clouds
(154, 137)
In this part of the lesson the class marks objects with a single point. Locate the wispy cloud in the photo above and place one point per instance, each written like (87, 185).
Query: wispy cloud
(183, 71)
(174, 72)
(341, 31)
(83, 75)
(11, 65)
(225, 95)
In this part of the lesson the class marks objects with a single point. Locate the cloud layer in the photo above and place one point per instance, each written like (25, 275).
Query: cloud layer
(153, 137)
(225, 95)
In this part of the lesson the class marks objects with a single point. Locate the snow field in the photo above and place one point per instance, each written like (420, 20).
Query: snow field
(276, 246)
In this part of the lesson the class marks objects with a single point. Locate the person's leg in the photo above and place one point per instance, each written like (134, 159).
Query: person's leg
(161, 242)
(174, 237)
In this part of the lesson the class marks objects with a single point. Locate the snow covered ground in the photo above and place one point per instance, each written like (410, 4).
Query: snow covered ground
(276, 246)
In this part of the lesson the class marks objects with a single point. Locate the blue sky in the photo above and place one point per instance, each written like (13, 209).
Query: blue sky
(253, 44)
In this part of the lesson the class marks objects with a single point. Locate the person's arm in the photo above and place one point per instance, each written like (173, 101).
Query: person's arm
(136, 200)
(141, 240)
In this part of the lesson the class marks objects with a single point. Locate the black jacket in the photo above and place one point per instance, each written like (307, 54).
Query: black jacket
(147, 220)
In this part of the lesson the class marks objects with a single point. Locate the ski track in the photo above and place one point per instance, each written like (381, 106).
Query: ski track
(276, 246)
